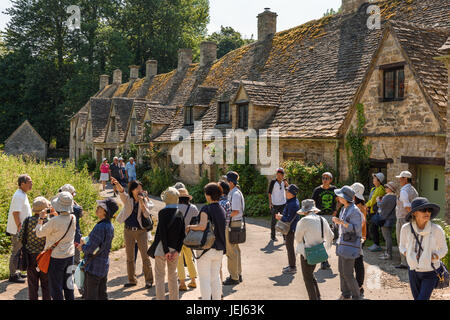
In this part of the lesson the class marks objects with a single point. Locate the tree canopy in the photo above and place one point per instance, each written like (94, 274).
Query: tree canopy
(228, 40)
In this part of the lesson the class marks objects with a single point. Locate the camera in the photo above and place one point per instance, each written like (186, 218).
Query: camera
(48, 211)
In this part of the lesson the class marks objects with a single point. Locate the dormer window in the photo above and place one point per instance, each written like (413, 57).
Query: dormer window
(243, 116)
(393, 82)
(224, 112)
(113, 124)
(188, 116)
(133, 127)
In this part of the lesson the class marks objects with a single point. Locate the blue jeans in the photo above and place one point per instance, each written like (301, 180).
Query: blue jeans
(131, 178)
(422, 284)
(60, 278)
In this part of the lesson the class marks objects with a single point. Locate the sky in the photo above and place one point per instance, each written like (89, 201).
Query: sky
(241, 14)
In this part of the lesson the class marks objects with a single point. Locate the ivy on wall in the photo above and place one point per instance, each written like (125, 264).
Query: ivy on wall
(358, 152)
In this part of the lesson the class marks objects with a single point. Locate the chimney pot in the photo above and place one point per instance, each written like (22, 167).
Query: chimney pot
(208, 52)
(117, 76)
(184, 58)
(134, 72)
(151, 68)
(267, 24)
(104, 81)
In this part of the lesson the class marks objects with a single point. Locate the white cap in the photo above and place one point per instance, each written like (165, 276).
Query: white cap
(359, 190)
(405, 174)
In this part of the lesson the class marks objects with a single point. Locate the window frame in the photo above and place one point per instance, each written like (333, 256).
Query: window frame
(113, 123)
(396, 71)
(220, 119)
(239, 107)
(133, 132)
(189, 110)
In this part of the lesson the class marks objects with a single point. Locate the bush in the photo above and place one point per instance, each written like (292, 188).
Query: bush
(257, 205)
(157, 180)
(196, 191)
(87, 160)
(306, 177)
(446, 227)
(250, 179)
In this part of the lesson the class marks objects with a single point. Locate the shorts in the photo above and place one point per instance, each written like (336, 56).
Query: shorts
(104, 177)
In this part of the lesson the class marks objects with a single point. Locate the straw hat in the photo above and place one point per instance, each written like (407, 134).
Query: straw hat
(170, 196)
(184, 193)
(40, 203)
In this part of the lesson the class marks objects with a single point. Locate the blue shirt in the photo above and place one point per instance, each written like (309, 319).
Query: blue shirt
(290, 212)
(226, 205)
(131, 169)
(100, 237)
(77, 211)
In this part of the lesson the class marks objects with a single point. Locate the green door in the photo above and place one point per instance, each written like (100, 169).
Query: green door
(431, 183)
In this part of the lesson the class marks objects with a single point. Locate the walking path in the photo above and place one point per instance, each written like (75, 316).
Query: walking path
(262, 264)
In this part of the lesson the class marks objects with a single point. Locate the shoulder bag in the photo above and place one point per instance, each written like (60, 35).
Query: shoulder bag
(23, 258)
(201, 240)
(316, 254)
(441, 273)
(238, 235)
(43, 259)
(147, 223)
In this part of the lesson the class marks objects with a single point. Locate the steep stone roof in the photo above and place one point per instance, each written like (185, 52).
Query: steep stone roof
(201, 96)
(262, 93)
(322, 64)
(446, 46)
(421, 46)
(100, 108)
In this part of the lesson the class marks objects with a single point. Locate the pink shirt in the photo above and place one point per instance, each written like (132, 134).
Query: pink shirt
(104, 168)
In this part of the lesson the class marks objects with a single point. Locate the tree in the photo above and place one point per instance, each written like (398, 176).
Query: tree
(228, 40)
(331, 12)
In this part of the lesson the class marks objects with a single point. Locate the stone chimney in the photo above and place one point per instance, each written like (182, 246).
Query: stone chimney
(104, 81)
(117, 76)
(267, 24)
(151, 68)
(134, 72)
(184, 58)
(350, 6)
(208, 52)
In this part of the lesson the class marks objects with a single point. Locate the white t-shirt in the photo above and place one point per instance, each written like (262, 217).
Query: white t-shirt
(19, 203)
(237, 203)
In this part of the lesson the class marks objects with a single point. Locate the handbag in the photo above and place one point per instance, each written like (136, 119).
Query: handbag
(147, 223)
(23, 257)
(283, 227)
(43, 259)
(237, 235)
(80, 273)
(352, 249)
(316, 254)
(350, 236)
(377, 220)
(201, 240)
(442, 275)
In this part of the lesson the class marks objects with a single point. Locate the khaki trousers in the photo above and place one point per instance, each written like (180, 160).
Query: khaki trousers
(160, 275)
(186, 255)
(139, 237)
(233, 254)
(16, 245)
(400, 223)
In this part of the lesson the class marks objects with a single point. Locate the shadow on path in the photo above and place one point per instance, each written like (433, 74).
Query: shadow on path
(282, 280)
(322, 275)
(271, 248)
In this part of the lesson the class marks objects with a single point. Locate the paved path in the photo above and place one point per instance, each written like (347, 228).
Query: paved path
(262, 264)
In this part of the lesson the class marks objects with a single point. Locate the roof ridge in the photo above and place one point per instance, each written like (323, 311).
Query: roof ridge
(418, 26)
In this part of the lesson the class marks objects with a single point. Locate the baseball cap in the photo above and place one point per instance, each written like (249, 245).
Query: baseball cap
(405, 174)
(110, 206)
(280, 170)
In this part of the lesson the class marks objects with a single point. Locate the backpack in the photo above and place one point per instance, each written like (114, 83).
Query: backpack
(201, 240)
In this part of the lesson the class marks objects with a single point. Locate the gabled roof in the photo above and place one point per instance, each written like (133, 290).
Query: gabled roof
(446, 46)
(100, 110)
(123, 108)
(24, 124)
(421, 45)
(262, 93)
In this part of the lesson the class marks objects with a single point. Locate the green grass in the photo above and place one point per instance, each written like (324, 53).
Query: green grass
(47, 179)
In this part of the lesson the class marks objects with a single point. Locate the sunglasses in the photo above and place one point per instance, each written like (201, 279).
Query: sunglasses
(326, 178)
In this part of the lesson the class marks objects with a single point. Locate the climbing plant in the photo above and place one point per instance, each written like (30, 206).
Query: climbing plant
(358, 152)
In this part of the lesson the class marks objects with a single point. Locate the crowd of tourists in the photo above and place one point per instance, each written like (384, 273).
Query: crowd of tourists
(47, 242)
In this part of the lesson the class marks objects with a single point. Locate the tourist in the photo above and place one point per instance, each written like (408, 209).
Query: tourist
(377, 191)
(360, 202)
(60, 230)
(348, 243)
(131, 169)
(407, 194)
(209, 261)
(226, 205)
(325, 200)
(114, 173)
(423, 244)
(290, 216)
(19, 210)
(96, 251)
(233, 251)
(387, 207)
(189, 211)
(311, 231)
(277, 199)
(136, 206)
(123, 173)
(179, 185)
(78, 213)
(167, 245)
(104, 173)
(34, 246)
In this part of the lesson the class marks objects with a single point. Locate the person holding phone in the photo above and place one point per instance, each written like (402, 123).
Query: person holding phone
(137, 205)
(277, 199)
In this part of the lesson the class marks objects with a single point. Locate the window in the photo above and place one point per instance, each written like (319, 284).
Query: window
(243, 116)
(133, 127)
(113, 124)
(224, 112)
(188, 116)
(394, 84)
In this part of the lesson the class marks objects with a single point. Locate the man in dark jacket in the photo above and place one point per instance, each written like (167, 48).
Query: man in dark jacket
(290, 216)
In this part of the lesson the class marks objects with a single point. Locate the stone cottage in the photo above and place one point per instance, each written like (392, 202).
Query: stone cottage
(305, 82)
(26, 141)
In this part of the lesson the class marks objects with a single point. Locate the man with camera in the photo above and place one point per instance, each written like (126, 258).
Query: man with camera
(277, 199)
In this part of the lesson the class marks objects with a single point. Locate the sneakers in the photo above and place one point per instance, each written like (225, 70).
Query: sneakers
(343, 298)
(374, 248)
(182, 287)
(325, 265)
(385, 256)
(16, 279)
(230, 282)
(274, 239)
(148, 285)
(361, 292)
(240, 278)
(130, 284)
(192, 285)
(22, 275)
(290, 270)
